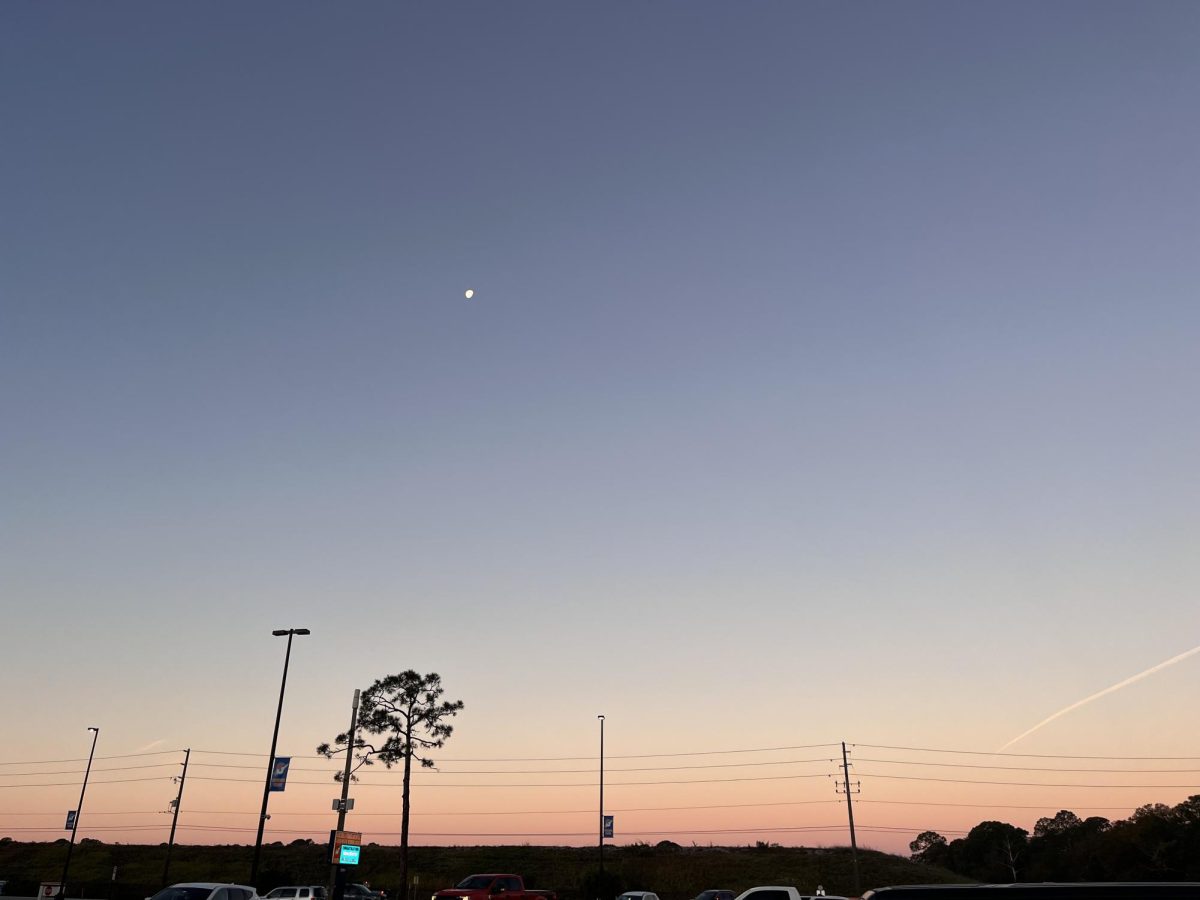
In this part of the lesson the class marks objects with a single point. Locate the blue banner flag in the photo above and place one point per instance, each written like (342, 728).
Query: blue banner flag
(279, 770)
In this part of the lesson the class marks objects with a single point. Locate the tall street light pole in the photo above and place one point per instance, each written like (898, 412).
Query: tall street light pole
(62, 888)
(262, 816)
(601, 718)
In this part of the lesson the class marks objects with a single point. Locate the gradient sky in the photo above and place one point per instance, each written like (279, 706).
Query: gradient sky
(831, 375)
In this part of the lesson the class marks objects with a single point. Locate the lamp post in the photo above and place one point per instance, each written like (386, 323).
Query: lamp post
(262, 816)
(62, 888)
(601, 718)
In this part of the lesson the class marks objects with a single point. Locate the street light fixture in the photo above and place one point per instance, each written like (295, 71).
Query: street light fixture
(262, 816)
(62, 888)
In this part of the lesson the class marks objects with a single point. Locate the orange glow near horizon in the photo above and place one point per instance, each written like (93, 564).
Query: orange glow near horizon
(786, 798)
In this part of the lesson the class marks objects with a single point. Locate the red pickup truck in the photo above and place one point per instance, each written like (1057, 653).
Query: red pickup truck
(493, 887)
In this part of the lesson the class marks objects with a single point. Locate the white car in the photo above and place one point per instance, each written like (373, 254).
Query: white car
(296, 892)
(638, 895)
(206, 890)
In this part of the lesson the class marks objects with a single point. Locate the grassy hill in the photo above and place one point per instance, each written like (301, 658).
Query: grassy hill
(674, 872)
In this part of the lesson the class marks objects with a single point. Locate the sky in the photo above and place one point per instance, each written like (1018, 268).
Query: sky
(830, 376)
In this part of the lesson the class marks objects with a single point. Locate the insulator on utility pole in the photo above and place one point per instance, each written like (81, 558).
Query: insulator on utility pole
(851, 789)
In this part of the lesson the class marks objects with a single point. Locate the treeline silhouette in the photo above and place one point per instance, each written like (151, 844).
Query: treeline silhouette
(1156, 843)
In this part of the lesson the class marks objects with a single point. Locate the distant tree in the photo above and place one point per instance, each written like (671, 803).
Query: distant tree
(930, 848)
(1062, 822)
(1067, 848)
(407, 712)
(991, 850)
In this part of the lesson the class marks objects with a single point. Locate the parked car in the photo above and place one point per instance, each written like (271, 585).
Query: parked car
(715, 894)
(205, 890)
(297, 892)
(359, 892)
(1110, 890)
(485, 887)
(638, 895)
(778, 892)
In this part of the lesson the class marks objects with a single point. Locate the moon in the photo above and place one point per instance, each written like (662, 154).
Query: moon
(469, 294)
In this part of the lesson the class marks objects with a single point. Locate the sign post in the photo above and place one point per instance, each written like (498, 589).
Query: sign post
(608, 826)
(345, 840)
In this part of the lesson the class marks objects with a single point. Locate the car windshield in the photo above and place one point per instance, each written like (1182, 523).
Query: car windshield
(182, 893)
(475, 882)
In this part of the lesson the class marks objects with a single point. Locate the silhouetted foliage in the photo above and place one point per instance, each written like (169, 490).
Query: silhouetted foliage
(407, 712)
(597, 885)
(930, 848)
(1156, 843)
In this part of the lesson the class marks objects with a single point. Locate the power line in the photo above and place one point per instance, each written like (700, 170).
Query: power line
(77, 783)
(38, 762)
(993, 805)
(80, 771)
(578, 784)
(1030, 755)
(653, 755)
(544, 834)
(905, 762)
(562, 758)
(1026, 783)
(440, 771)
(584, 784)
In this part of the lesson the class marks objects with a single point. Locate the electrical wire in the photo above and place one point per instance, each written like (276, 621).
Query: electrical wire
(440, 771)
(989, 805)
(1024, 783)
(1029, 755)
(90, 782)
(546, 784)
(904, 762)
(38, 762)
(81, 771)
(566, 758)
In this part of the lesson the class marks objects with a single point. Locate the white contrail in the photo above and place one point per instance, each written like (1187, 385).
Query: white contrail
(149, 746)
(1099, 694)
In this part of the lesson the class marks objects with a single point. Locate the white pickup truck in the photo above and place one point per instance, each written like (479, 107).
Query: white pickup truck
(777, 892)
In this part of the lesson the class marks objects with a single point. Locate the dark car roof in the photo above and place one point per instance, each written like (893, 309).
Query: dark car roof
(1091, 890)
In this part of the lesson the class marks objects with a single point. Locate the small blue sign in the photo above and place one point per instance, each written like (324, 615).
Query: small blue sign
(71, 815)
(607, 823)
(279, 770)
(349, 855)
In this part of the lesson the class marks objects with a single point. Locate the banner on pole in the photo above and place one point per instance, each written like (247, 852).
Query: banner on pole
(279, 770)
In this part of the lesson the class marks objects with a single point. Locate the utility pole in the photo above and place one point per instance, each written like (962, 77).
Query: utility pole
(337, 881)
(601, 718)
(850, 789)
(62, 888)
(187, 754)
